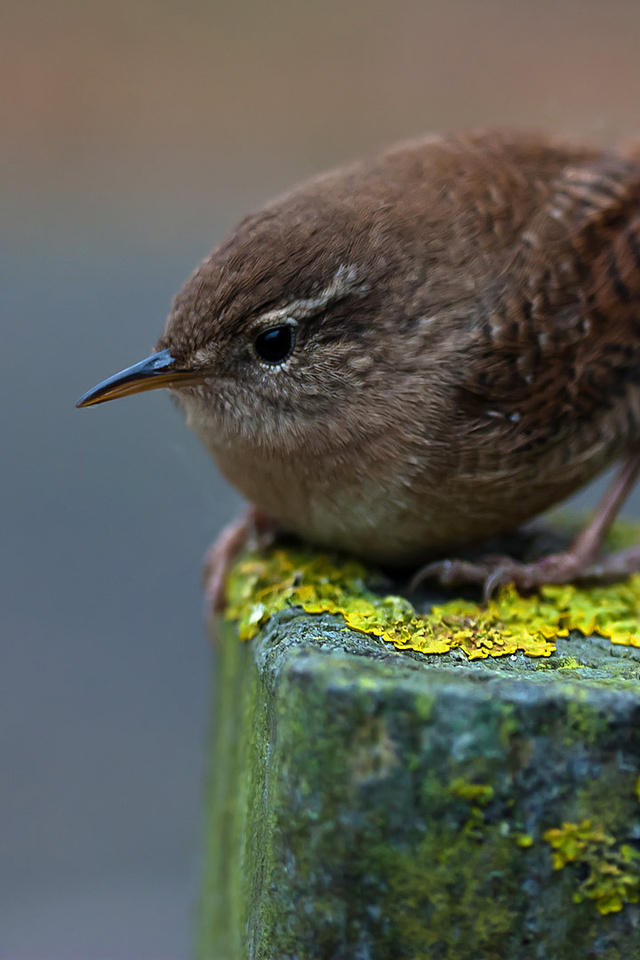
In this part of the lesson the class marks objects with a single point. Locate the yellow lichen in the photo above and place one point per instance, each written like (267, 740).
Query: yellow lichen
(613, 877)
(524, 840)
(260, 585)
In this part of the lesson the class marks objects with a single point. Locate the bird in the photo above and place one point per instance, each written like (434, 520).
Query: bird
(413, 352)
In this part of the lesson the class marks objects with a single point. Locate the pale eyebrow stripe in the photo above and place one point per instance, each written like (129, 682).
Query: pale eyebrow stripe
(343, 282)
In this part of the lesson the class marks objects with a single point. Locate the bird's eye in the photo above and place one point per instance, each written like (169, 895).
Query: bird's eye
(275, 344)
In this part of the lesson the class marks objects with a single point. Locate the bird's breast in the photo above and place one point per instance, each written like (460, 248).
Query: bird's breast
(332, 508)
(406, 508)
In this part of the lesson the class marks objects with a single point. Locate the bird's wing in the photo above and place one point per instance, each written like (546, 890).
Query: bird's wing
(558, 336)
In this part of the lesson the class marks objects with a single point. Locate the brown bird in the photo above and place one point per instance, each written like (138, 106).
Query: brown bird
(411, 353)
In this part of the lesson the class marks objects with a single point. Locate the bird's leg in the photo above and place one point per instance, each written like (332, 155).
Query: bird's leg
(580, 561)
(252, 528)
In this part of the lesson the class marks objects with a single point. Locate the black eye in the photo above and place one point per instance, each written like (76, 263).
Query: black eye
(275, 344)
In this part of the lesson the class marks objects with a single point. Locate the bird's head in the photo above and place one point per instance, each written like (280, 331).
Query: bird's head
(304, 326)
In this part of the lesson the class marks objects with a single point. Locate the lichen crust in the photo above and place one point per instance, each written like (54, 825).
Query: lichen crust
(260, 585)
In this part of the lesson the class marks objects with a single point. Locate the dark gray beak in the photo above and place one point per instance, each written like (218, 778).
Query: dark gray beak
(156, 371)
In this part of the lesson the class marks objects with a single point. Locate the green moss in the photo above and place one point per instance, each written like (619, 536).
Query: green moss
(424, 708)
(223, 902)
(261, 585)
(441, 898)
(456, 893)
(584, 722)
(480, 793)
(417, 895)
(609, 799)
(563, 663)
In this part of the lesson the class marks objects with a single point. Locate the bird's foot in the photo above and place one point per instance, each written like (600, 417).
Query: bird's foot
(495, 571)
(580, 561)
(615, 566)
(253, 529)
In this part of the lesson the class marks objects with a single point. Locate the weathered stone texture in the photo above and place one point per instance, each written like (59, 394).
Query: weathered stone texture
(367, 804)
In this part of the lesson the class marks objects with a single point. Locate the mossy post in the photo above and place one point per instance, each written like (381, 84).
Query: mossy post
(479, 800)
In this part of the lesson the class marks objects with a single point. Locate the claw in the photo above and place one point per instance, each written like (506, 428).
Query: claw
(441, 570)
(499, 578)
(493, 572)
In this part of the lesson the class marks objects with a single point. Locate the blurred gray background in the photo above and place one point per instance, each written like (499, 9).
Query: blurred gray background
(134, 133)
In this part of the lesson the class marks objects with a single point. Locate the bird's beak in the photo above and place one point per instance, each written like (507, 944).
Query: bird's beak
(158, 370)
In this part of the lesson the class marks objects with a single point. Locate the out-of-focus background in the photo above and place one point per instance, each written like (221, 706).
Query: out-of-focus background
(133, 134)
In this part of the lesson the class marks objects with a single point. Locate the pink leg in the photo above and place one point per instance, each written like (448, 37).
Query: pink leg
(578, 562)
(253, 528)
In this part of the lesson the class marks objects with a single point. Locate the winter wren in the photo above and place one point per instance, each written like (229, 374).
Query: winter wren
(413, 352)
